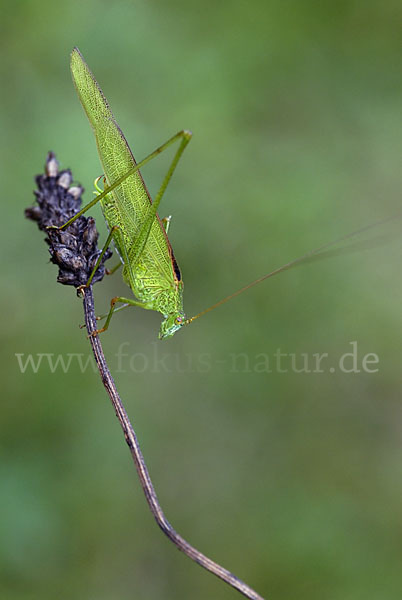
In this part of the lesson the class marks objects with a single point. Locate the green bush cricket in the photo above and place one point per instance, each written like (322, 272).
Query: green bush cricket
(138, 234)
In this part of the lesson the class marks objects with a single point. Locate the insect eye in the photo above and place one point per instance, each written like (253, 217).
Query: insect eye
(178, 320)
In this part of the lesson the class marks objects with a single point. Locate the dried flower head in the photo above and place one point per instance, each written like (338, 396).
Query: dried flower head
(74, 249)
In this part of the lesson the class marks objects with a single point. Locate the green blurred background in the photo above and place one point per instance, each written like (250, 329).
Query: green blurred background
(291, 480)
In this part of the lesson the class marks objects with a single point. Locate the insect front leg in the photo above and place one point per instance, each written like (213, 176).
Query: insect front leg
(166, 222)
(115, 232)
(113, 309)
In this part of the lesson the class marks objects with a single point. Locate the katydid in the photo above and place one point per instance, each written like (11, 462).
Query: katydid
(138, 234)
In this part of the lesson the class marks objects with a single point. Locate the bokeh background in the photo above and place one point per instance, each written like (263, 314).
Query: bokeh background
(291, 480)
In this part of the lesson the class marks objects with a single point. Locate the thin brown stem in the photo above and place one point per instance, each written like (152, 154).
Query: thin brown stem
(147, 486)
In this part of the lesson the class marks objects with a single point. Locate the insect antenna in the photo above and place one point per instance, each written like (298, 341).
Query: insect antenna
(320, 252)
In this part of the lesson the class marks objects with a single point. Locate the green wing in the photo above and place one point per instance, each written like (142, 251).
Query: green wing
(130, 201)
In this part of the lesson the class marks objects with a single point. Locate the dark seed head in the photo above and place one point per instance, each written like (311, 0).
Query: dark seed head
(74, 249)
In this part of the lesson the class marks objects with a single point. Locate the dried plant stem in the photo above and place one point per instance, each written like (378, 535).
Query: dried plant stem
(147, 486)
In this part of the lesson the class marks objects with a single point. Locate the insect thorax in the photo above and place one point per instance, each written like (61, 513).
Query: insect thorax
(169, 302)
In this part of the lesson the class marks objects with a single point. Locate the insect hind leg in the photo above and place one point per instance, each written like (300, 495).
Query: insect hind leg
(139, 243)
